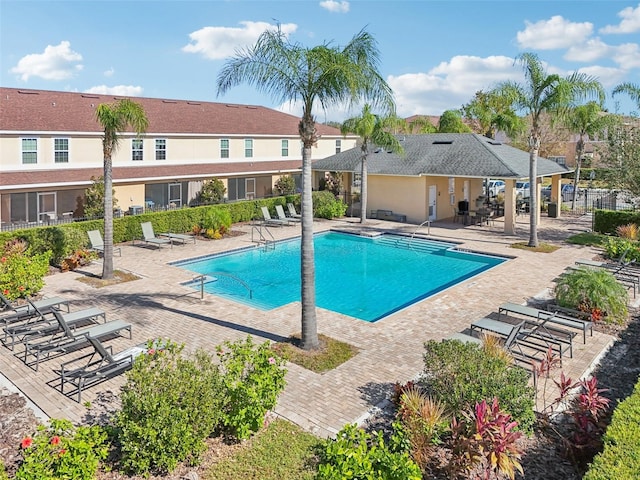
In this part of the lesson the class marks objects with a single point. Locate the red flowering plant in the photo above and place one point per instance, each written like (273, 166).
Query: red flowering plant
(21, 273)
(62, 451)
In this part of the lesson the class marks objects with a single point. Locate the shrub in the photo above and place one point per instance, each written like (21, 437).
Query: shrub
(216, 220)
(252, 379)
(461, 375)
(170, 405)
(629, 231)
(620, 458)
(94, 198)
(285, 185)
(212, 191)
(22, 273)
(61, 451)
(595, 291)
(326, 205)
(622, 248)
(355, 454)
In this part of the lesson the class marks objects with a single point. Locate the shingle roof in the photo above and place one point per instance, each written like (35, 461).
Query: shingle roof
(446, 154)
(50, 111)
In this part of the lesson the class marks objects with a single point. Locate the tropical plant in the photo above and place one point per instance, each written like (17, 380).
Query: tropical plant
(544, 93)
(372, 129)
(589, 121)
(114, 119)
(22, 272)
(324, 75)
(633, 90)
(451, 122)
(595, 291)
(94, 198)
(622, 249)
(628, 231)
(326, 205)
(285, 185)
(212, 191)
(61, 451)
(216, 220)
(492, 113)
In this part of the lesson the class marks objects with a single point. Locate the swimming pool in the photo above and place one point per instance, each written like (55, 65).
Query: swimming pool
(363, 277)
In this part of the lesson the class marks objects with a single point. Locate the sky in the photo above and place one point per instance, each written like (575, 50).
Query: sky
(434, 54)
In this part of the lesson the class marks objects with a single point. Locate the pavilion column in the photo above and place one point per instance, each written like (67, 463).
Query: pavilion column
(538, 186)
(510, 207)
(556, 196)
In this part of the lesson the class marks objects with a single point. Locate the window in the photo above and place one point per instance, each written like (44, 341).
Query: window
(357, 180)
(29, 150)
(161, 149)
(285, 148)
(248, 147)
(224, 148)
(136, 149)
(338, 146)
(61, 150)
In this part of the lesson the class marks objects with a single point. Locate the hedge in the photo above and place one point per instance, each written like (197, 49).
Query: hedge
(620, 458)
(606, 221)
(65, 238)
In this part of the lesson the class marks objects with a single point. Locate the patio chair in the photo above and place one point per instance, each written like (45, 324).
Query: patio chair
(183, 238)
(70, 339)
(510, 339)
(96, 367)
(292, 211)
(150, 237)
(13, 313)
(97, 244)
(282, 216)
(48, 325)
(272, 221)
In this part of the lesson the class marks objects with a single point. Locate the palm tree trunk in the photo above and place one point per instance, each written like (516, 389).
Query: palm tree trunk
(309, 334)
(576, 174)
(107, 254)
(363, 184)
(533, 191)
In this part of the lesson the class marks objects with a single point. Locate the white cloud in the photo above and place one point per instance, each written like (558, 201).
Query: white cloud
(627, 55)
(120, 90)
(333, 6)
(109, 73)
(630, 22)
(217, 43)
(588, 52)
(57, 62)
(608, 76)
(553, 33)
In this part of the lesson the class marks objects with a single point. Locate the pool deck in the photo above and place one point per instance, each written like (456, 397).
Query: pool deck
(390, 350)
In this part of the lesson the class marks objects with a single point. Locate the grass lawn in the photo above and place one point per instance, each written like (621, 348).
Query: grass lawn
(587, 238)
(330, 354)
(282, 451)
(541, 248)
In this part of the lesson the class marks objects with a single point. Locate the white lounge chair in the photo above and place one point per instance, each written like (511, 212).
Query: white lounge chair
(97, 243)
(272, 221)
(150, 237)
(292, 211)
(282, 216)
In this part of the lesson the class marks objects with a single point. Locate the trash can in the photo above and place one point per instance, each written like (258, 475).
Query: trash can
(552, 209)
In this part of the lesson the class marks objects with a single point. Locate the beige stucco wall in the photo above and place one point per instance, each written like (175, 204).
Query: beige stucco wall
(129, 195)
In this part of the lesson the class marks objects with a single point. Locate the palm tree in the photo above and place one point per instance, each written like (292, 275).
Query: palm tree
(371, 129)
(325, 74)
(115, 118)
(544, 93)
(492, 113)
(588, 121)
(630, 89)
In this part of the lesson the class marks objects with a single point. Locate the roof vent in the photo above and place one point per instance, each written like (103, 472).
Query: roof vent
(442, 142)
(169, 101)
(493, 142)
(89, 96)
(194, 103)
(233, 106)
(28, 92)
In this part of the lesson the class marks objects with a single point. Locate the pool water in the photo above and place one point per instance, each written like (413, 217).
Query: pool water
(363, 277)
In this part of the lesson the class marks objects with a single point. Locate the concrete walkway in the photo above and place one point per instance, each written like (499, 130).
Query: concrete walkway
(390, 350)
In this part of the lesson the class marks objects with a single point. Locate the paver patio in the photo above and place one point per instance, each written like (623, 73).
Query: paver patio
(390, 349)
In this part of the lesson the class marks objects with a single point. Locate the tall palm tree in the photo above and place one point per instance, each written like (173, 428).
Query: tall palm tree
(325, 74)
(588, 121)
(371, 129)
(115, 118)
(630, 89)
(544, 93)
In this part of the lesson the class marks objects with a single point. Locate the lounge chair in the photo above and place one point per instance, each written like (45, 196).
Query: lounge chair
(510, 340)
(272, 221)
(149, 237)
(12, 313)
(48, 325)
(179, 237)
(282, 216)
(292, 211)
(97, 366)
(70, 339)
(97, 244)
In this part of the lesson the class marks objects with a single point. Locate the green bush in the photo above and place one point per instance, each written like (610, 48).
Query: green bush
(461, 375)
(170, 405)
(355, 454)
(217, 220)
(620, 457)
(326, 205)
(606, 221)
(285, 185)
(22, 272)
(212, 191)
(595, 291)
(616, 247)
(253, 377)
(62, 452)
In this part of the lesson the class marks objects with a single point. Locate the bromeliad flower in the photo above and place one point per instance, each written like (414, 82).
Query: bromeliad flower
(26, 442)
(55, 440)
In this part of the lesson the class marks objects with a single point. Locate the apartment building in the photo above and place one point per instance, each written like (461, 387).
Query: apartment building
(51, 147)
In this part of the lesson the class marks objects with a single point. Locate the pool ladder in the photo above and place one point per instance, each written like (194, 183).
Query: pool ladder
(212, 275)
(268, 244)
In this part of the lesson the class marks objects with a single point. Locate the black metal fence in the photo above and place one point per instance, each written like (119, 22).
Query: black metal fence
(590, 199)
